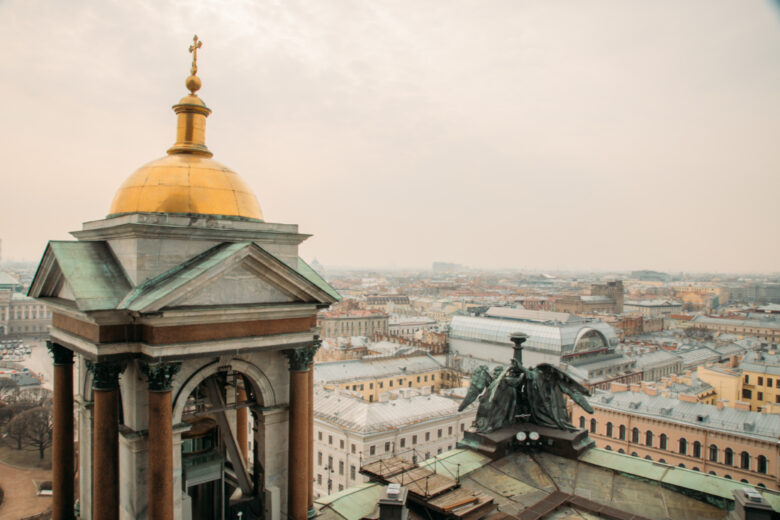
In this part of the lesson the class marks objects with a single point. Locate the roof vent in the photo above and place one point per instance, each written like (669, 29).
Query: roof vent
(749, 426)
(702, 418)
(634, 405)
(666, 411)
(753, 495)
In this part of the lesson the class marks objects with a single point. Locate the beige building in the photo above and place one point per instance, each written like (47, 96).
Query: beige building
(352, 323)
(766, 331)
(753, 384)
(22, 316)
(727, 442)
(370, 379)
(349, 432)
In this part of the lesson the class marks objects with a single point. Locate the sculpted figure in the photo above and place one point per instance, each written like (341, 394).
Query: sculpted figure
(519, 394)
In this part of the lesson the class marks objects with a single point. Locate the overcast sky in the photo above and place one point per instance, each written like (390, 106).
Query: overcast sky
(580, 134)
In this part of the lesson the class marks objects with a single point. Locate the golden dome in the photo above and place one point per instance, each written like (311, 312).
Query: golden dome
(187, 180)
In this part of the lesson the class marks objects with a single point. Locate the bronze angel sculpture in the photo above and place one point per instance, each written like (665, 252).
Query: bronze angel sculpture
(519, 394)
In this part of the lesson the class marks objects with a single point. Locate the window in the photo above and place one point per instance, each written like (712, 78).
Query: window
(747, 393)
(381, 384)
(414, 440)
(425, 379)
(760, 396)
(462, 427)
(400, 382)
(319, 479)
(387, 447)
(744, 460)
(769, 382)
(449, 430)
(438, 434)
(582, 421)
(648, 438)
(697, 449)
(352, 472)
(361, 388)
(403, 442)
(747, 379)
(760, 380)
(330, 463)
(391, 383)
(635, 435)
(433, 377)
(330, 439)
(341, 444)
(418, 379)
(427, 438)
(593, 426)
(728, 457)
(353, 448)
(370, 386)
(319, 436)
(319, 458)
(438, 451)
(713, 453)
(341, 467)
(683, 447)
(622, 433)
(341, 487)
(372, 450)
(761, 464)
(609, 429)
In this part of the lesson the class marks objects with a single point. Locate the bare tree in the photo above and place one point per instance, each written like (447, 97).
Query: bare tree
(38, 428)
(28, 398)
(5, 413)
(7, 386)
(16, 429)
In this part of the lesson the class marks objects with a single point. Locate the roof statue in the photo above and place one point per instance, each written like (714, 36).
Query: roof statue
(516, 394)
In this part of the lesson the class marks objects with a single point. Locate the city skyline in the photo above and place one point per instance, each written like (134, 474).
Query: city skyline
(618, 137)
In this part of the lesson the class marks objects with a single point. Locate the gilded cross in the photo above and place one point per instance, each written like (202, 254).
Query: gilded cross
(196, 44)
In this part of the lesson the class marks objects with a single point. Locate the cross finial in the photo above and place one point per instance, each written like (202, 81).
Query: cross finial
(196, 44)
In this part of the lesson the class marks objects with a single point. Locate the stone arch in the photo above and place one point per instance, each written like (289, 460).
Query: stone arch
(256, 377)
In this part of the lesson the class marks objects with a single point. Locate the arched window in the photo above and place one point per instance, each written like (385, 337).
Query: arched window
(697, 449)
(593, 426)
(608, 447)
(683, 446)
(662, 461)
(622, 432)
(681, 465)
(713, 453)
(761, 485)
(745, 481)
(696, 469)
(713, 473)
(761, 464)
(728, 457)
(582, 421)
(609, 429)
(648, 457)
(634, 454)
(648, 438)
(727, 476)
(662, 440)
(744, 460)
(635, 435)
(621, 450)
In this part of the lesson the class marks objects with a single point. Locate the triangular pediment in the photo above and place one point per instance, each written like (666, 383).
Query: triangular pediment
(228, 274)
(86, 273)
(240, 285)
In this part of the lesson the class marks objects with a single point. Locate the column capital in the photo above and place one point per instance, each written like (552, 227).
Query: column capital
(160, 375)
(300, 358)
(105, 374)
(61, 355)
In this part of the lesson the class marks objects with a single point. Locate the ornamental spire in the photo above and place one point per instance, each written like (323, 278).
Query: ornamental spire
(193, 81)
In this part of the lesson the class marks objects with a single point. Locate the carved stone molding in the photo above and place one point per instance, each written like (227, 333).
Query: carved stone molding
(61, 355)
(105, 374)
(160, 375)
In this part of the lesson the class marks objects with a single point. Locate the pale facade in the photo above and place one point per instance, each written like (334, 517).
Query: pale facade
(352, 323)
(349, 432)
(21, 315)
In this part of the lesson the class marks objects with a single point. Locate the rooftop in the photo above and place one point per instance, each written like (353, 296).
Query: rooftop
(358, 369)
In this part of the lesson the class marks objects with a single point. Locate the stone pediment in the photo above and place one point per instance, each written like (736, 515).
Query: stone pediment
(86, 273)
(228, 274)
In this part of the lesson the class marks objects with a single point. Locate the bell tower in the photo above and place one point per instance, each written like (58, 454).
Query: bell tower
(189, 323)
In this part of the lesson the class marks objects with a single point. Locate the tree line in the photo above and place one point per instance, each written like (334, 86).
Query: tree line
(25, 416)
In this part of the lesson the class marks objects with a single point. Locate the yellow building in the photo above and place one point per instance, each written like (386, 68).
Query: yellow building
(754, 385)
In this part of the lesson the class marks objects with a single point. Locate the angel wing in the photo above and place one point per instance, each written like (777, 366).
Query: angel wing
(567, 384)
(480, 380)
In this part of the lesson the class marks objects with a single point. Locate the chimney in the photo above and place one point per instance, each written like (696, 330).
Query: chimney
(721, 403)
(750, 505)
(618, 387)
(392, 503)
(742, 405)
(688, 398)
(733, 361)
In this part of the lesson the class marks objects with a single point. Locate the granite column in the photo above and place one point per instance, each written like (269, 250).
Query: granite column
(62, 462)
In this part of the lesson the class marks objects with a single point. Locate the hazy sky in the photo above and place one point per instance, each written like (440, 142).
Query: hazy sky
(580, 134)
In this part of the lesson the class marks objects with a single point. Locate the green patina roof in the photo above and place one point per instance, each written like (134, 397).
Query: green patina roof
(93, 275)
(351, 504)
(456, 462)
(310, 274)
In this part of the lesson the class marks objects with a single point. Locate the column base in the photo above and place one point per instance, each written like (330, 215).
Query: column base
(312, 513)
